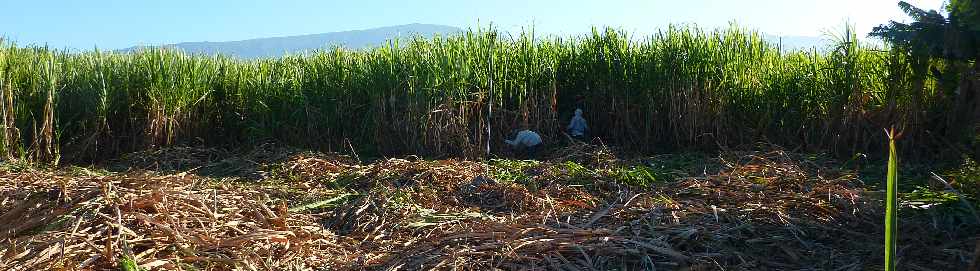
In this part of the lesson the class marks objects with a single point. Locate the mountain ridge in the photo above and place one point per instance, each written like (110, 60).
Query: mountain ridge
(278, 46)
(357, 39)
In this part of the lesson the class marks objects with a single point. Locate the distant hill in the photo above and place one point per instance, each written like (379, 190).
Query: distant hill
(278, 46)
(795, 43)
(357, 39)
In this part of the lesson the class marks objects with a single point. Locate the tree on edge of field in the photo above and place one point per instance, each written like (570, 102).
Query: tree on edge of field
(952, 39)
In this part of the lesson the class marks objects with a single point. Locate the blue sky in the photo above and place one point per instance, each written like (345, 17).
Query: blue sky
(113, 24)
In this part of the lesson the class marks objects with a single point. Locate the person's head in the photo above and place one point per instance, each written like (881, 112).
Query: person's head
(578, 112)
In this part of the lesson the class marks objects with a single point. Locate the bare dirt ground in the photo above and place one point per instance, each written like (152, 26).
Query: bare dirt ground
(582, 208)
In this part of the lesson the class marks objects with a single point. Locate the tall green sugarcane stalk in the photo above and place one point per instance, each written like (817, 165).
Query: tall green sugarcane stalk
(891, 207)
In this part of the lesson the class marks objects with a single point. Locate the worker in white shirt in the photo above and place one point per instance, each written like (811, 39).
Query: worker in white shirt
(577, 126)
(526, 142)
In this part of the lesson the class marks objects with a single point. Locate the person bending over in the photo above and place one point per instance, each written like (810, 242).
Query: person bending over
(527, 143)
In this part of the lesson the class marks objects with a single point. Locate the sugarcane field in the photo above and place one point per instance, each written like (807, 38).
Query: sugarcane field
(575, 135)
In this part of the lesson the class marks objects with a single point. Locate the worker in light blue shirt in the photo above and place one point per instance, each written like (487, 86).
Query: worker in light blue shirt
(577, 126)
(526, 142)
